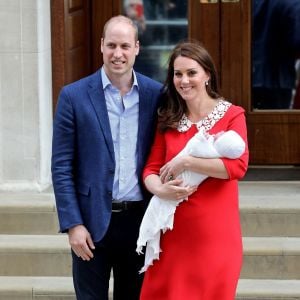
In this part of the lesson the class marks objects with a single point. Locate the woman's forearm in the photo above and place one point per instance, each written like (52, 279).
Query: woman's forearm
(153, 183)
(212, 167)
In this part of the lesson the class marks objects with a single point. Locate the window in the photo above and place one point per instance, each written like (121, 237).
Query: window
(162, 24)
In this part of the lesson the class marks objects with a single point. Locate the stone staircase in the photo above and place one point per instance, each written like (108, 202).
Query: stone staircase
(35, 261)
(270, 217)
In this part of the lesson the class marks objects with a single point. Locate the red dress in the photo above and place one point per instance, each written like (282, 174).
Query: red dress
(201, 257)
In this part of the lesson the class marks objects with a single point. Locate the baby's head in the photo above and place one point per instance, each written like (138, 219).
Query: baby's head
(230, 144)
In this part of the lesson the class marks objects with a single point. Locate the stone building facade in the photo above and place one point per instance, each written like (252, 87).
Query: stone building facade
(25, 95)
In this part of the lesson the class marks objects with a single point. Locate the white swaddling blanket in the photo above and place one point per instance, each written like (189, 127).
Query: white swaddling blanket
(159, 215)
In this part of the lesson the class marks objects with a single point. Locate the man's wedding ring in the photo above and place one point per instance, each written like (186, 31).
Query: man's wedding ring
(170, 177)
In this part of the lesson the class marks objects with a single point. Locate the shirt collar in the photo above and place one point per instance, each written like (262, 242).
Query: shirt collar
(106, 82)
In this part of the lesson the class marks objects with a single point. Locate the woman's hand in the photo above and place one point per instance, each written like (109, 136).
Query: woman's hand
(172, 169)
(172, 190)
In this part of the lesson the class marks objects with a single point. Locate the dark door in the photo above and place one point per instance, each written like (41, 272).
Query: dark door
(71, 42)
(76, 28)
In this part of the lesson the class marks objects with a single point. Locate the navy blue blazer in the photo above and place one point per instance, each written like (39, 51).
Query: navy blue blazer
(83, 162)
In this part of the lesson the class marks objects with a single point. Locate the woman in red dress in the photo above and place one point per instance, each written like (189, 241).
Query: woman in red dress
(201, 257)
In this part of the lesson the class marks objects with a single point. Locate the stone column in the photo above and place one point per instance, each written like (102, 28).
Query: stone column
(25, 95)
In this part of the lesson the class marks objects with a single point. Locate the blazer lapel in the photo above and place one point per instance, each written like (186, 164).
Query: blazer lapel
(145, 116)
(98, 101)
(145, 108)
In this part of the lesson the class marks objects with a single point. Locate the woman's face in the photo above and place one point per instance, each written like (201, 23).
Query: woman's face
(189, 78)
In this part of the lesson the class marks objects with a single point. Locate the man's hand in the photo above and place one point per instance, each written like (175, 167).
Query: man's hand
(81, 242)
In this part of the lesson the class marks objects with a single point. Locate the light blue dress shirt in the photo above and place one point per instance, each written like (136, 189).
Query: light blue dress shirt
(123, 115)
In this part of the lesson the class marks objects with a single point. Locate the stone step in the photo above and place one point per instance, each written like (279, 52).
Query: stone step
(39, 288)
(270, 208)
(271, 258)
(61, 288)
(267, 209)
(28, 213)
(267, 188)
(272, 215)
(49, 255)
(254, 289)
(34, 255)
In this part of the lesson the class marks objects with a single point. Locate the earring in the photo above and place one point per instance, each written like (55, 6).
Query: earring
(206, 83)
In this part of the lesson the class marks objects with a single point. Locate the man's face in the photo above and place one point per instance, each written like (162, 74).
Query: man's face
(119, 49)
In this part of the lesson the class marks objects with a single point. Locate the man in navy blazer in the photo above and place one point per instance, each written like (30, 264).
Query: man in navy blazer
(103, 129)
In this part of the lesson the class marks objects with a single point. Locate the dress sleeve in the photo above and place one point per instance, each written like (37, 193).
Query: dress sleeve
(237, 168)
(157, 155)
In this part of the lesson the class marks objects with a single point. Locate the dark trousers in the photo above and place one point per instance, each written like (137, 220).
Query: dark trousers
(116, 252)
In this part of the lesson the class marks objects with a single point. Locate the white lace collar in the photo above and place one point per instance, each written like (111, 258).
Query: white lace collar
(209, 121)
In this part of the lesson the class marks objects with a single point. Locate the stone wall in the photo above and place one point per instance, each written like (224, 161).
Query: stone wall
(25, 94)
